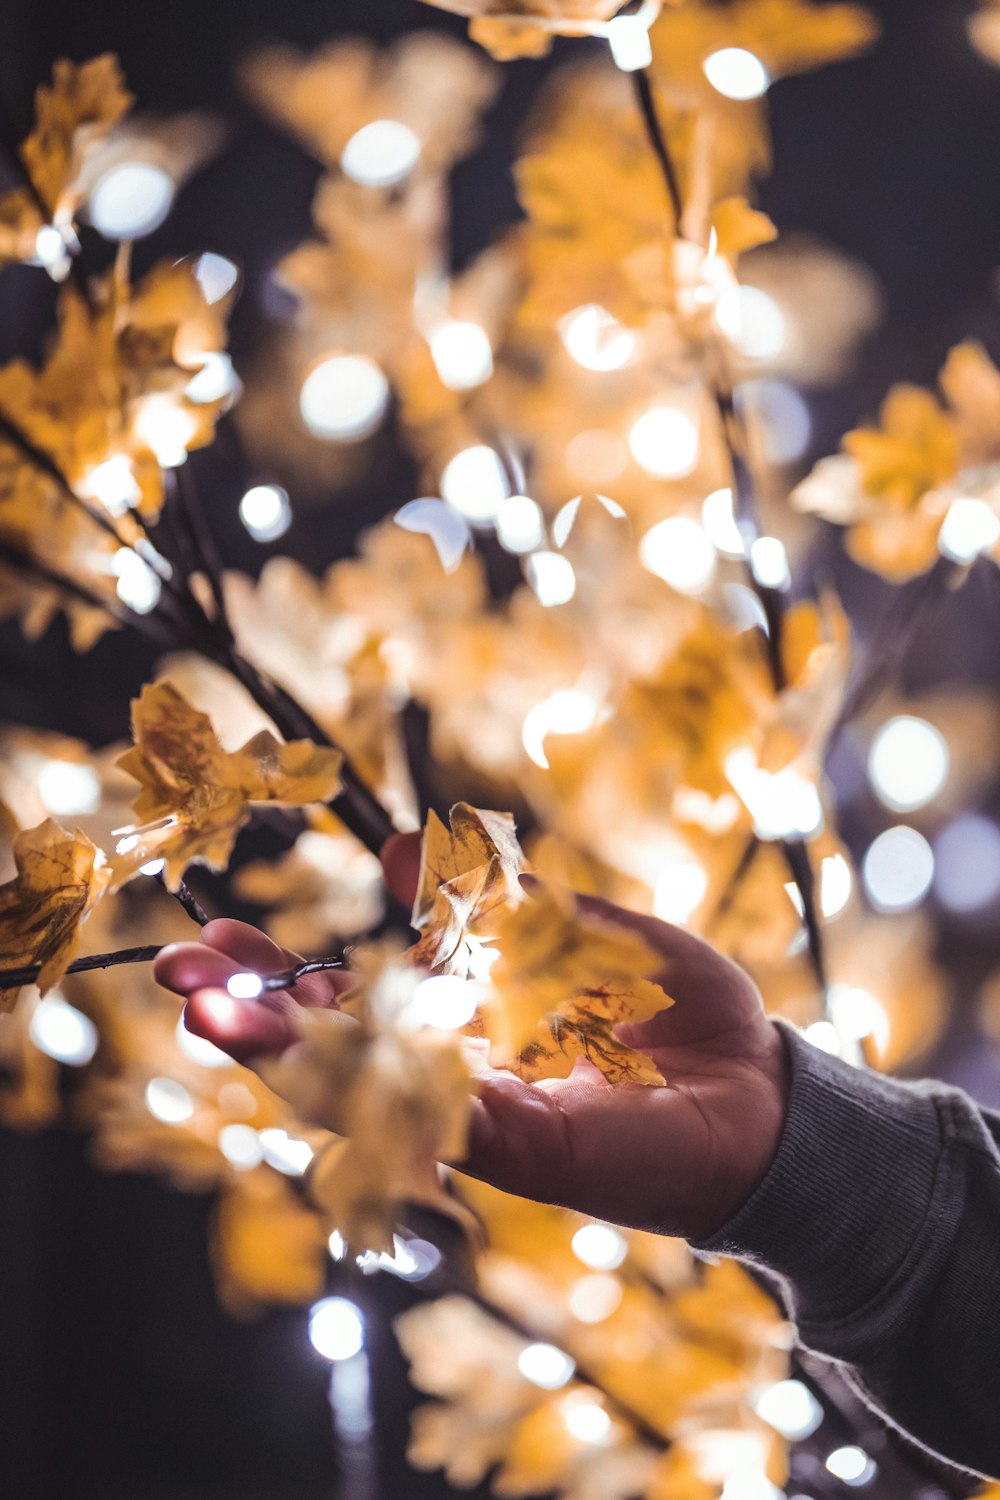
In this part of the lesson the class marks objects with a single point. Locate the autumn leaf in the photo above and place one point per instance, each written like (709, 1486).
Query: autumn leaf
(468, 873)
(196, 796)
(59, 878)
(524, 28)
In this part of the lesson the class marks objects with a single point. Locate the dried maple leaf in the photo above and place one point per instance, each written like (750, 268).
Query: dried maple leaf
(59, 877)
(468, 873)
(196, 796)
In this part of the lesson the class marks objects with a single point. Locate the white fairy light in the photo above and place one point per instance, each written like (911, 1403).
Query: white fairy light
(857, 1014)
(719, 521)
(113, 483)
(68, 788)
(410, 1260)
(967, 864)
(245, 986)
(152, 867)
(520, 524)
(428, 516)
(199, 1049)
(852, 1466)
(570, 711)
(336, 1328)
(835, 884)
(51, 252)
(769, 562)
(908, 762)
(61, 1031)
(594, 1298)
(337, 1246)
(168, 1101)
(344, 398)
(445, 1001)
(381, 154)
(679, 551)
(587, 1422)
(898, 869)
(216, 275)
(284, 1153)
(790, 1408)
(736, 73)
(138, 586)
(474, 482)
(546, 1366)
(130, 200)
(552, 577)
(825, 1036)
(970, 528)
(595, 339)
(166, 429)
(462, 354)
(600, 1246)
(678, 891)
(664, 441)
(783, 804)
(215, 381)
(752, 321)
(266, 512)
(240, 1145)
(628, 37)
(752, 1485)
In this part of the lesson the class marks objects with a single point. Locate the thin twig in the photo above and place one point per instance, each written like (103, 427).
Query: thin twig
(283, 979)
(188, 900)
(647, 107)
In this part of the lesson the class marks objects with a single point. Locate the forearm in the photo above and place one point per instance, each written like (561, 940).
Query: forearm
(880, 1216)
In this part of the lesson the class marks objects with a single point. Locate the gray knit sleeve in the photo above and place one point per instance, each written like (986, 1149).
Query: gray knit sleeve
(880, 1219)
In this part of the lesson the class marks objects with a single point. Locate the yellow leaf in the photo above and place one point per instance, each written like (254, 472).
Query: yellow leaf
(59, 878)
(739, 227)
(196, 796)
(467, 874)
(914, 448)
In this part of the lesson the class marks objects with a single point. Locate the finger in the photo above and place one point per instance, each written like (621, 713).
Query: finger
(400, 858)
(518, 1138)
(183, 967)
(694, 969)
(242, 1028)
(249, 948)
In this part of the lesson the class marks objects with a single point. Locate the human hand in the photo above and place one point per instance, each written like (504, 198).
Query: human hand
(678, 1159)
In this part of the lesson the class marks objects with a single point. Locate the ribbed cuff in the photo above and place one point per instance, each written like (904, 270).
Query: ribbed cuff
(858, 1209)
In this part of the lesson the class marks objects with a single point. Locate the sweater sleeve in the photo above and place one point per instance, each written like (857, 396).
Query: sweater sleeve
(880, 1219)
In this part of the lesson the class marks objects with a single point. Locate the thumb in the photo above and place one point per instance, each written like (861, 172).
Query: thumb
(400, 856)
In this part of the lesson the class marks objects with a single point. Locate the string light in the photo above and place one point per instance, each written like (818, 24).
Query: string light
(344, 398)
(769, 563)
(448, 530)
(284, 1152)
(130, 200)
(856, 1014)
(546, 1366)
(266, 512)
(216, 275)
(445, 1001)
(967, 864)
(790, 1408)
(628, 37)
(852, 1466)
(215, 381)
(62, 1032)
(51, 252)
(783, 804)
(593, 1299)
(908, 763)
(168, 1101)
(520, 524)
(678, 892)
(69, 789)
(474, 482)
(245, 986)
(678, 550)
(600, 1246)
(138, 586)
(114, 484)
(587, 1422)
(898, 869)
(240, 1145)
(736, 73)
(552, 577)
(970, 528)
(570, 711)
(381, 154)
(719, 521)
(595, 339)
(336, 1328)
(752, 320)
(166, 429)
(664, 441)
(462, 354)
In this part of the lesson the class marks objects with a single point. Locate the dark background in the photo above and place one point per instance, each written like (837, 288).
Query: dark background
(119, 1377)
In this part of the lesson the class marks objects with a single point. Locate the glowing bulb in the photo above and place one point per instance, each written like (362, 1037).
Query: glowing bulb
(825, 1036)
(908, 763)
(600, 1246)
(587, 1422)
(344, 398)
(752, 320)
(474, 483)
(857, 1014)
(546, 1366)
(462, 354)
(446, 1001)
(898, 869)
(628, 37)
(552, 577)
(336, 1328)
(851, 1465)
(68, 789)
(152, 867)
(678, 551)
(113, 484)
(592, 1299)
(783, 804)
(570, 711)
(245, 986)
(790, 1408)
(205, 1053)
(266, 512)
(719, 521)
(166, 430)
(664, 441)
(240, 1145)
(519, 522)
(51, 252)
(168, 1101)
(967, 864)
(138, 586)
(736, 73)
(337, 1246)
(769, 563)
(969, 529)
(381, 153)
(835, 884)
(215, 381)
(753, 1485)
(61, 1031)
(130, 200)
(595, 339)
(678, 892)
(428, 516)
(284, 1153)
(216, 275)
